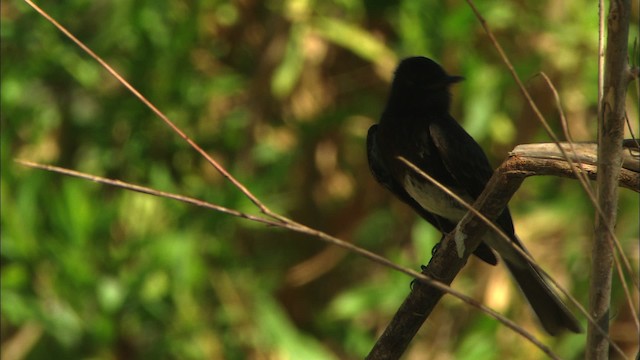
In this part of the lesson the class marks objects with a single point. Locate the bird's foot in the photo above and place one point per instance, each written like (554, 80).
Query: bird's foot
(436, 247)
(422, 269)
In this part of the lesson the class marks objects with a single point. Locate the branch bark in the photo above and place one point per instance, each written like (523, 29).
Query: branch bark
(611, 123)
(525, 161)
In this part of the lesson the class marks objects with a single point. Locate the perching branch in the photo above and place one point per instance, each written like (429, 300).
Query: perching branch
(295, 227)
(525, 161)
(586, 158)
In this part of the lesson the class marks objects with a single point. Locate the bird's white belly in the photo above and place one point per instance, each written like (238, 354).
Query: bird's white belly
(434, 200)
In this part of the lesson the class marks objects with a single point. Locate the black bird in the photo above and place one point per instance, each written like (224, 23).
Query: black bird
(416, 125)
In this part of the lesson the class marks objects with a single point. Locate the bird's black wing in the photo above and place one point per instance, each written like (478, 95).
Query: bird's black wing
(461, 155)
(383, 177)
(466, 162)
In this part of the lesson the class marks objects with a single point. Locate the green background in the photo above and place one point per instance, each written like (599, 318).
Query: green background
(281, 93)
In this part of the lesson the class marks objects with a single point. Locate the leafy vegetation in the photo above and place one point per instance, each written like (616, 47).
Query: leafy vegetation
(281, 93)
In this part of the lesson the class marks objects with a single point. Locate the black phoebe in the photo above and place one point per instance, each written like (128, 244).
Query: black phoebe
(416, 125)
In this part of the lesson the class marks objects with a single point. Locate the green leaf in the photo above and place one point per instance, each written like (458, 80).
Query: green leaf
(354, 38)
(288, 72)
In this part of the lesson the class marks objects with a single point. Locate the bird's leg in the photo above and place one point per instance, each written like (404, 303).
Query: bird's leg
(434, 250)
(436, 247)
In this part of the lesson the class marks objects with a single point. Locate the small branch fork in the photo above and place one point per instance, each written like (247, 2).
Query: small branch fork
(545, 159)
(526, 160)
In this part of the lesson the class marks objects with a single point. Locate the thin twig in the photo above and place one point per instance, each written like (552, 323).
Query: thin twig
(505, 181)
(501, 233)
(529, 100)
(470, 208)
(627, 293)
(263, 208)
(300, 228)
(610, 135)
(448, 261)
(589, 190)
(537, 112)
(600, 53)
(563, 119)
(146, 190)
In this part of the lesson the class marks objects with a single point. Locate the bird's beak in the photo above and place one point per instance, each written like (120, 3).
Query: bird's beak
(452, 79)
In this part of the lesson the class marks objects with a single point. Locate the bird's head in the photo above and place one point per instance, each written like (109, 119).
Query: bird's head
(423, 75)
(420, 84)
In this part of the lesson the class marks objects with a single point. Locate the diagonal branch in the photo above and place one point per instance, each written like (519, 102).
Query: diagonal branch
(296, 227)
(458, 245)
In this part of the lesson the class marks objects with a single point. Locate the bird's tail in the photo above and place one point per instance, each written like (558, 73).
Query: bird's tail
(552, 312)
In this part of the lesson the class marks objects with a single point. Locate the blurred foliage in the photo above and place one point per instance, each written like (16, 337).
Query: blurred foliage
(281, 93)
